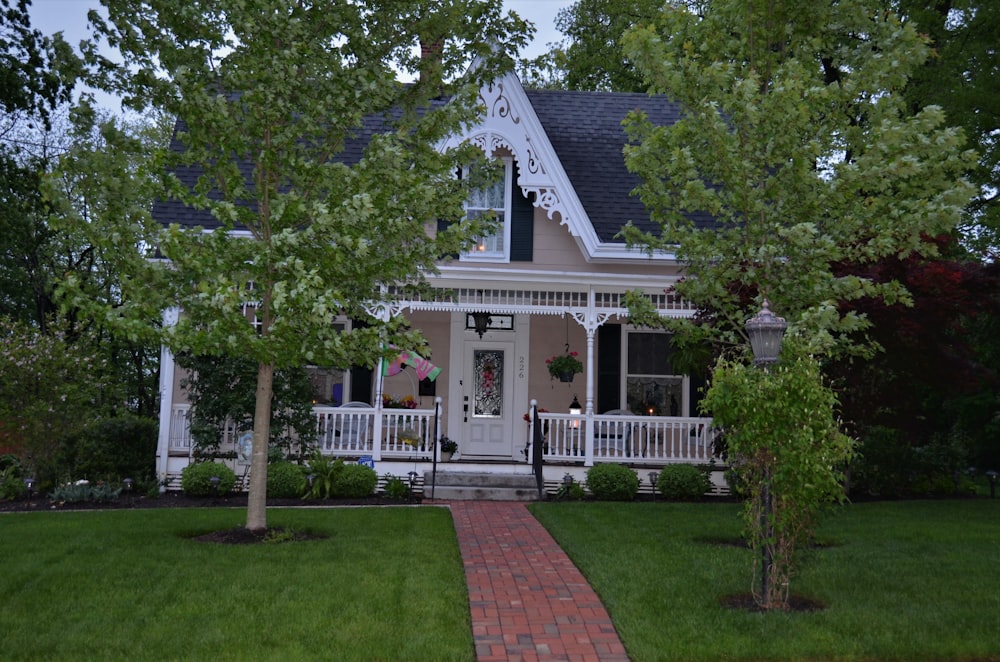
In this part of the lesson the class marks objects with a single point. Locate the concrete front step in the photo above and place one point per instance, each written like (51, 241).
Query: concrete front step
(468, 486)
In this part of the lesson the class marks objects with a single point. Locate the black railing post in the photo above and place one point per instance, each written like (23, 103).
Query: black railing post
(537, 457)
(437, 443)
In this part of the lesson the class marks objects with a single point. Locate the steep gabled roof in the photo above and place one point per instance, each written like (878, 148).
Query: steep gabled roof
(586, 132)
(174, 211)
(569, 146)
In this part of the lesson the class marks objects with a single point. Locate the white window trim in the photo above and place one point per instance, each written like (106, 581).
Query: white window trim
(504, 230)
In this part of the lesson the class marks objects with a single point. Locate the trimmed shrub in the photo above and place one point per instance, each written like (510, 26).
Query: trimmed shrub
(355, 481)
(116, 448)
(84, 492)
(285, 480)
(612, 482)
(196, 479)
(682, 482)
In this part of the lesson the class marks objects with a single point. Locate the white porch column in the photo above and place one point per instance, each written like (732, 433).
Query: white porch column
(166, 398)
(590, 320)
(377, 423)
(383, 312)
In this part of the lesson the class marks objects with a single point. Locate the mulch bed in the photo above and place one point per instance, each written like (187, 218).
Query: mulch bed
(180, 500)
(241, 535)
(235, 536)
(745, 601)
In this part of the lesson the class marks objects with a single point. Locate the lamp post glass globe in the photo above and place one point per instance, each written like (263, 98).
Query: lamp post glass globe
(766, 331)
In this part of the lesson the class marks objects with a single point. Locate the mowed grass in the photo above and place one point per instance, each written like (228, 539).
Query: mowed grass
(387, 584)
(914, 581)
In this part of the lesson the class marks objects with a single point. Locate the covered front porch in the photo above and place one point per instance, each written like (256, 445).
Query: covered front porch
(400, 442)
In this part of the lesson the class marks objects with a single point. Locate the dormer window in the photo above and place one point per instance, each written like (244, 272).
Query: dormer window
(496, 200)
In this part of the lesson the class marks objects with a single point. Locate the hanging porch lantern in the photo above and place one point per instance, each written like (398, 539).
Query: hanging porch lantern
(481, 322)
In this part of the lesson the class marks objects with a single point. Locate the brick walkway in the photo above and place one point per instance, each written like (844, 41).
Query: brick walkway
(528, 601)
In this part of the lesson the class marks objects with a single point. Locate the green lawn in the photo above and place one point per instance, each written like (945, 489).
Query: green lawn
(387, 584)
(917, 580)
(903, 581)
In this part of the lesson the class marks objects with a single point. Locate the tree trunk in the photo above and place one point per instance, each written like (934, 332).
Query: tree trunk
(257, 498)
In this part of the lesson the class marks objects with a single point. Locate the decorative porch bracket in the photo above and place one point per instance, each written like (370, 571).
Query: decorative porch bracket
(383, 311)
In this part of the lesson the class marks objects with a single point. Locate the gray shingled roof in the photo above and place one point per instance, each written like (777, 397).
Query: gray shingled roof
(586, 132)
(583, 127)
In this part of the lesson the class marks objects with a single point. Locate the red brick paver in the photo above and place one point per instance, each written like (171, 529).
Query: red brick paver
(528, 601)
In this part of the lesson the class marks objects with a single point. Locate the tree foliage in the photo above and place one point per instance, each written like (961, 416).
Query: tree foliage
(785, 446)
(796, 154)
(50, 387)
(270, 92)
(938, 374)
(961, 77)
(796, 142)
(590, 57)
(38, 72)
(221, 392)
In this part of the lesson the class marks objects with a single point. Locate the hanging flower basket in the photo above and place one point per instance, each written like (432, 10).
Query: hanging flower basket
(564, 366)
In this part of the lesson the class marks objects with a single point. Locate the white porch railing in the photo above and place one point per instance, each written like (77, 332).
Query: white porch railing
(626, 438)
(342, 431)
(179, 439)
(633, 439)
(402, 433)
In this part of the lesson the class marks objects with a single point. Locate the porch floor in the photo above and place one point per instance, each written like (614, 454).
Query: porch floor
(528, 601)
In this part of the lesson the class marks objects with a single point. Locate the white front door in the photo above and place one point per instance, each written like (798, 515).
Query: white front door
(487, 399)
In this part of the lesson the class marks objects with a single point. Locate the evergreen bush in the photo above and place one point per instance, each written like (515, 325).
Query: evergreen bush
(355, 481)
(196, 479)
(285, 480)
(682, 482)
(612, 482)
(113, 449)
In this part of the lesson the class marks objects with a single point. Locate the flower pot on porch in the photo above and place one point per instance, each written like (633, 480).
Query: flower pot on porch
(566, 376)
(446, 456)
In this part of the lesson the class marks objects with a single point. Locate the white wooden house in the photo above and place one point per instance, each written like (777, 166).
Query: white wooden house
(553, 278)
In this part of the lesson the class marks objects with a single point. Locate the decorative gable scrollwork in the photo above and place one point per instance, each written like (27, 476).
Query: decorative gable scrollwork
(497, 103)
(510, 126)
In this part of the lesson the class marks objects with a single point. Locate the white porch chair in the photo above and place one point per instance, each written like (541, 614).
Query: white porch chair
(613, 437)
(353, 429)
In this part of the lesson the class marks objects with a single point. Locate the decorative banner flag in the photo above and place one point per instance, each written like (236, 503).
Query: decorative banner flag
(424, 368)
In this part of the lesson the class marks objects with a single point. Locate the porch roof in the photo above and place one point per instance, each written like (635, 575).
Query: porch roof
(539, 293)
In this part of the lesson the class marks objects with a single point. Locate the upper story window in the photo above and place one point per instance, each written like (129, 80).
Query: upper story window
(494, 199)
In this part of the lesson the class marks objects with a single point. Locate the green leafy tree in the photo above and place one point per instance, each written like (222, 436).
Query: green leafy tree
(50, 388)
(38, 72)
(270, 91)
(961, 77)
(101, 169)
(37, 75)
(783, 441)
(796, 142)
(796, 154)
(590, 57)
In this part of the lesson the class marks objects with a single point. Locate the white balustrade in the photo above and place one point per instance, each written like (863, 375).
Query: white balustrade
(631, 439)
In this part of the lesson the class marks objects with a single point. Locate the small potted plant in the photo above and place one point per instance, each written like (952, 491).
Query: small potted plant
(448, 447)
(564, 366)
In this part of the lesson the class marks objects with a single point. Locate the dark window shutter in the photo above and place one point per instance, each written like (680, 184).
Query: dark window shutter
(697, 385)
(443, 225)
(361, 385)
(361, 377)
(609, 371)
(522, 224)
